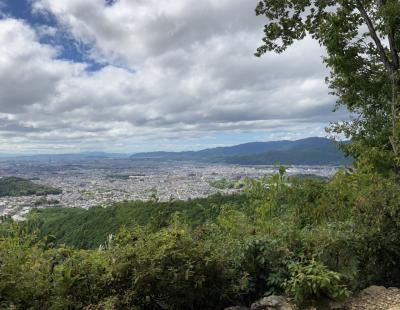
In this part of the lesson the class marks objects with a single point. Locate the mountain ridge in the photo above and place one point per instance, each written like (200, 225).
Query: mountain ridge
(308, 151)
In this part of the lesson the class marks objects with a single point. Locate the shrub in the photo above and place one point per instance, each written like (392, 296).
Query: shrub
(168, 270)
(229, 250)
(265, 262)
(311, 279)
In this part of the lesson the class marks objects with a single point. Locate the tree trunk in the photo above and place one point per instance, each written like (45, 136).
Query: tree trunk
(394, 139)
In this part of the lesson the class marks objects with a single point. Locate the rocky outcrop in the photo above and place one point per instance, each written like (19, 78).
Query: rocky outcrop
(376, 298)
(267, 303)
(272, 303)
(374, 291)
(371, 298)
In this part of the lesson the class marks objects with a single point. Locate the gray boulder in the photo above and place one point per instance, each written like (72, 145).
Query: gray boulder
(337, 305)
(272, 303)
(374, 290)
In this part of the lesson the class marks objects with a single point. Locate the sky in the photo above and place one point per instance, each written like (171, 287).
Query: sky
(144, 75)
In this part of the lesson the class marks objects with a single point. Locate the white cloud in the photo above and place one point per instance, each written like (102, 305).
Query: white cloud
(174, 69)
(29, 72)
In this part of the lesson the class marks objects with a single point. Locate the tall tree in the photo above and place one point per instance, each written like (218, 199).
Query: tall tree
(362, 40)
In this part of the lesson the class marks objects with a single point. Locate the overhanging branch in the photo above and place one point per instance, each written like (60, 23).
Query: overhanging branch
(374, 36)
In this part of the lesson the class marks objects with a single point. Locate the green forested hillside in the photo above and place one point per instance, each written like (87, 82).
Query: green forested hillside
(284, 235)
(90, 228)
(13, 186)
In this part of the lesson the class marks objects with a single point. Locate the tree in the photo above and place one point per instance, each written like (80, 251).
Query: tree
(362, 40)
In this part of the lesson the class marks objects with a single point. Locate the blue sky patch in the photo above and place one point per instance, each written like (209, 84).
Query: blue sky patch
(70, 49)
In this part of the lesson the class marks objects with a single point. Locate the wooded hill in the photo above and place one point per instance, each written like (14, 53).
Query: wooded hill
(14, 186)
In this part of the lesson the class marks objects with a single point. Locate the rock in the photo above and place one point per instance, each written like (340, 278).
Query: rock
(271, 303)
(337, 305)
(374, 290)
(237, 308)
(397, 307)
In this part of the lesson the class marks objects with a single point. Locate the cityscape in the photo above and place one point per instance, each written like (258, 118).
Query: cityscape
(92, 182)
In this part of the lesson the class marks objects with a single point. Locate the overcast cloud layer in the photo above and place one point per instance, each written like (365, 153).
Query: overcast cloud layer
(169, 75)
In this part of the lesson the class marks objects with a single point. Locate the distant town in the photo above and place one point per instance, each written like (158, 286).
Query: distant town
(89, 182)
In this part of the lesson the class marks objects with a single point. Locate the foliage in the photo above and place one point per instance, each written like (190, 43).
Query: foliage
(165, 270)
(227, 184)
(306, 237)
(169, 270)
(362, 41)
(312, 280)
(265, 262)
(13, 186)
(89, 228)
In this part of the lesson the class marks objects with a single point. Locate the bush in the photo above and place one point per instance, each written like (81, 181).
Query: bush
(311, 279)
(136, 270)
(168, 270)
(220, 251)
(265, 262)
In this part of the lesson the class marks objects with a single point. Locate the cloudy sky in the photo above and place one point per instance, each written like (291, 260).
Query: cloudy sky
(141, 75)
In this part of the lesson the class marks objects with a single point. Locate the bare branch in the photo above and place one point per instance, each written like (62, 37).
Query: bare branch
(374, 36)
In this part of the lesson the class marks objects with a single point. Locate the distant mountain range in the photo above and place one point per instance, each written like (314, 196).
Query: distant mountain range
(309, 151)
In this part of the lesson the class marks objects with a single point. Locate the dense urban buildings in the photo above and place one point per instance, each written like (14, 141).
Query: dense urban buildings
(101, 181)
